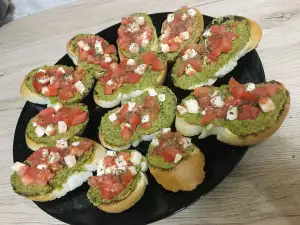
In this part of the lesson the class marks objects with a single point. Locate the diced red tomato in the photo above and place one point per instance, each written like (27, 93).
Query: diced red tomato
(110, 49)
(147, 125)
(133, 78)
(232, 101)
(126, 133)
(47, 112)
(174, 47)
(157, 65)
(236, 88)
(196, 64)
(37, 86)
(149, 101)
(204, 101)
(248, 112)
(218, 29)
(127, 177)
(169, 153)
(201, 91)
(209, 116)
(52, 90)
(109, 161)
(135, 119)
(108, 89)
(80, 118)
(148, 57)
(126, 155)
(75, 116)
(181, 69)
(271, 89)
(124, 109)
(126, 21)
(83, 55)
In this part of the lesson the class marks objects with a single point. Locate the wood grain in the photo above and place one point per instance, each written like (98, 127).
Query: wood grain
(262, 190)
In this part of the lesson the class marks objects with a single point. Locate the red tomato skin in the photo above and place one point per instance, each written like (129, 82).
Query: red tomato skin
(108, 89)
(201, 91)
(248, 112)
(147, 125)
(134, 120)
(65, 94)
(126, 133)
(208, 117)
(157, 65)
(109, 161)
(169, 153)
(133, 78)
(148, 58)
(110, 49)
(174, 47)
(80, 118)
(149, 101)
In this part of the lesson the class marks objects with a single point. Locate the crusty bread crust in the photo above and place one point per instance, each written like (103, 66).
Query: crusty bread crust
(72, 54)
(186, 176)
(32, 96)
(134, 197)
(226, 136)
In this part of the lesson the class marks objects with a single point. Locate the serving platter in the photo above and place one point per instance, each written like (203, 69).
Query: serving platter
(157, 203)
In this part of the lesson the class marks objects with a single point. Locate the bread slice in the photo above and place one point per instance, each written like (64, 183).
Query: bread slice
(225, 135)
(254, 39)
(172, 56)
(75, 180)
(185, 176)
(131, 200)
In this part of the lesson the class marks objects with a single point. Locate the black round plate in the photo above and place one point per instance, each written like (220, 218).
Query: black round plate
(157, 203)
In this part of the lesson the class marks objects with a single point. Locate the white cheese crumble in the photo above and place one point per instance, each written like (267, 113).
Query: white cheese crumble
(17, 166)
(266, 104)
(152, 92)
(177, 158)
(62, 143)
(107, 59)
(164, 48)
(192, 105)
(62, 127)
(133, 27)
(41, 71)
(44, 80)
(81, 43)
(170, 18)
(155, 142)
(136, 157)
(186, 142)
(189, 70)
(134, 48)
(232, 113)
(34, 124)
(112, 117)
(80, 87)
(111, 153)
(130, 62)
(70, 160)
(98, 48)
(132, 169)
(145, 118)
(45, 153)
(141, 69)
(45, 90)
(217, 101)
(40, 131)
(250, 87)
(184, 35)
(184, 16)
(144, 166)
(76, 143)
(131, 106)
(140, 20)
(61, 69)
(207, 33)
(41, 166)
(49, 130)
(145, 42)
(109, 82)
(165, 130)
(191, 12)
(182, 110)
(162, 97)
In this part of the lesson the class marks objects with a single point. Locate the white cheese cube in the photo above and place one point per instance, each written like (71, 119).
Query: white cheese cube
(49, 130)
(182, 110)
(120, 161)
(62, 143)
(250, 87)
(184, 35)
(108, 171)
(81, 43)
(132, 169)
(131, 106)
(178, 157)
(17, 166)
(232, 113)
(192, 53)
(186, 142)
(76, 143)
(145, 42)
(57, 106)
(45, 90)
(141, 69)
(42, 71)
(107, 59)
(34, 124)
(144, 166)
(140, 20)
(86, 47)
(100, 170)
(184, 16)
(162, 97)
(145, 118)
(62, 127)
(70, 160)
(203, 112)
(170, 18)
(206, 33)
(53, 157)
(144, 35)
(61, 69)
(134, 48)
(185, 57)
(44, 80)
(152, 92)
(191, 12)
(133, 28)
(112, 117)
(130, 62)
(80, 87)
(40, 131)
(111, 153)
(155, 142)
(217, 101)
(45, 153)
(189, 70)
(110, 82)
(164, 48)
(166, 130)
(192, 105)
(69, 77)
(136, 157)
(266, 104)
(52, 79)
(98, 48)
(41, 166)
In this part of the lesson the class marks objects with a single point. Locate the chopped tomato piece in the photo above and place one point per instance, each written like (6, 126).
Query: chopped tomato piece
(126, 133)
(126, 155)
(218, 29)
(47, 112)
(124, 109)
(110, 49)
(169, 153)
(271, 89)
(108, 89)
(147, 125)
(37, 86)
(157, 65)
(209, 116)
(148, 57)
(109, 161)
(91, 59)
(52, 90)
(80, 118)
(181, 69)
(127, 177)
(232, 101)
(196, 64)
(135, 119)
(126, 21)
(204, 101)
(201, 91)
(83, 55)
(248, 112)
(149, 101)
(174, 47)
(65, 94)
(133, 78)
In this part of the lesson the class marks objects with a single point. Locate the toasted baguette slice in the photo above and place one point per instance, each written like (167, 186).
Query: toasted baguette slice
(110, 135)
(226, 135)
(153, 43)
(126, 91)
(210, 72)
(34, 142)
(74, 180)
(29, 93)
(194, 37)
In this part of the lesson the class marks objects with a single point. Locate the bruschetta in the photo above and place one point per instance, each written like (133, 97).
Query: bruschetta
(57, 84)
(53, 171)
(136, 35)
(175, 162)
(129, 79)
(238, 114)
(182, 27)
(55, 123)
(225, 41)
(120, 181)
(140, 119)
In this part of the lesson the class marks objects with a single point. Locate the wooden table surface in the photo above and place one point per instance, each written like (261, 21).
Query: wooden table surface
(263, 189)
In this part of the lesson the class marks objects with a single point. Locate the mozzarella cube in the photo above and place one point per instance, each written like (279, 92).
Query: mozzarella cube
(112, 117)
(127, 125)
(189, 70)
(144, 35)
(57, 106)
(207, 33)
(185, 57)
(130, 62)
(133, 27)
(145, 118)
(184, 35)
(86, 47)
(164, 48)
(98, 48)
(44, 80)
(155, 142)
(34, 124)
(17, 166)
(49, 130)
(62, 127)
(182, 110)
(232, 113)
(144, 166)
(203, 112)
(120, 161)
(140, 20)
(61, 69)
(76, 143)
(42, 71)
(178, 157)
(162, 97)
(111, 153)
(134, 48)
(53, 157)
(136, 157)
(217, 101)
(170, 18)
(131, 106)
(152, 92)
(62, 143)
(186, 142)
(184, 16)
(108, 171)
(165, 130)
(80, 87)
(100, 170)
(250, 87)
(110, 82)
(45, 90)
(191, 12)
(132, 169)
(145, 42)
(141, 69)
(41, 166)
(40, 131)
(192, 105)
(107, 59)
(45, 153)
(81, 43)
(266, 104)
(52, 79)
(70, 160)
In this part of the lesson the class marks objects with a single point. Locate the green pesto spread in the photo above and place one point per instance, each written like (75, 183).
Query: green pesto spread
(112, 134)
(153, 43)
(209, 70)
(244, 127)
(51, 140)
(59, 179)
(94, 194)
(88, 83)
